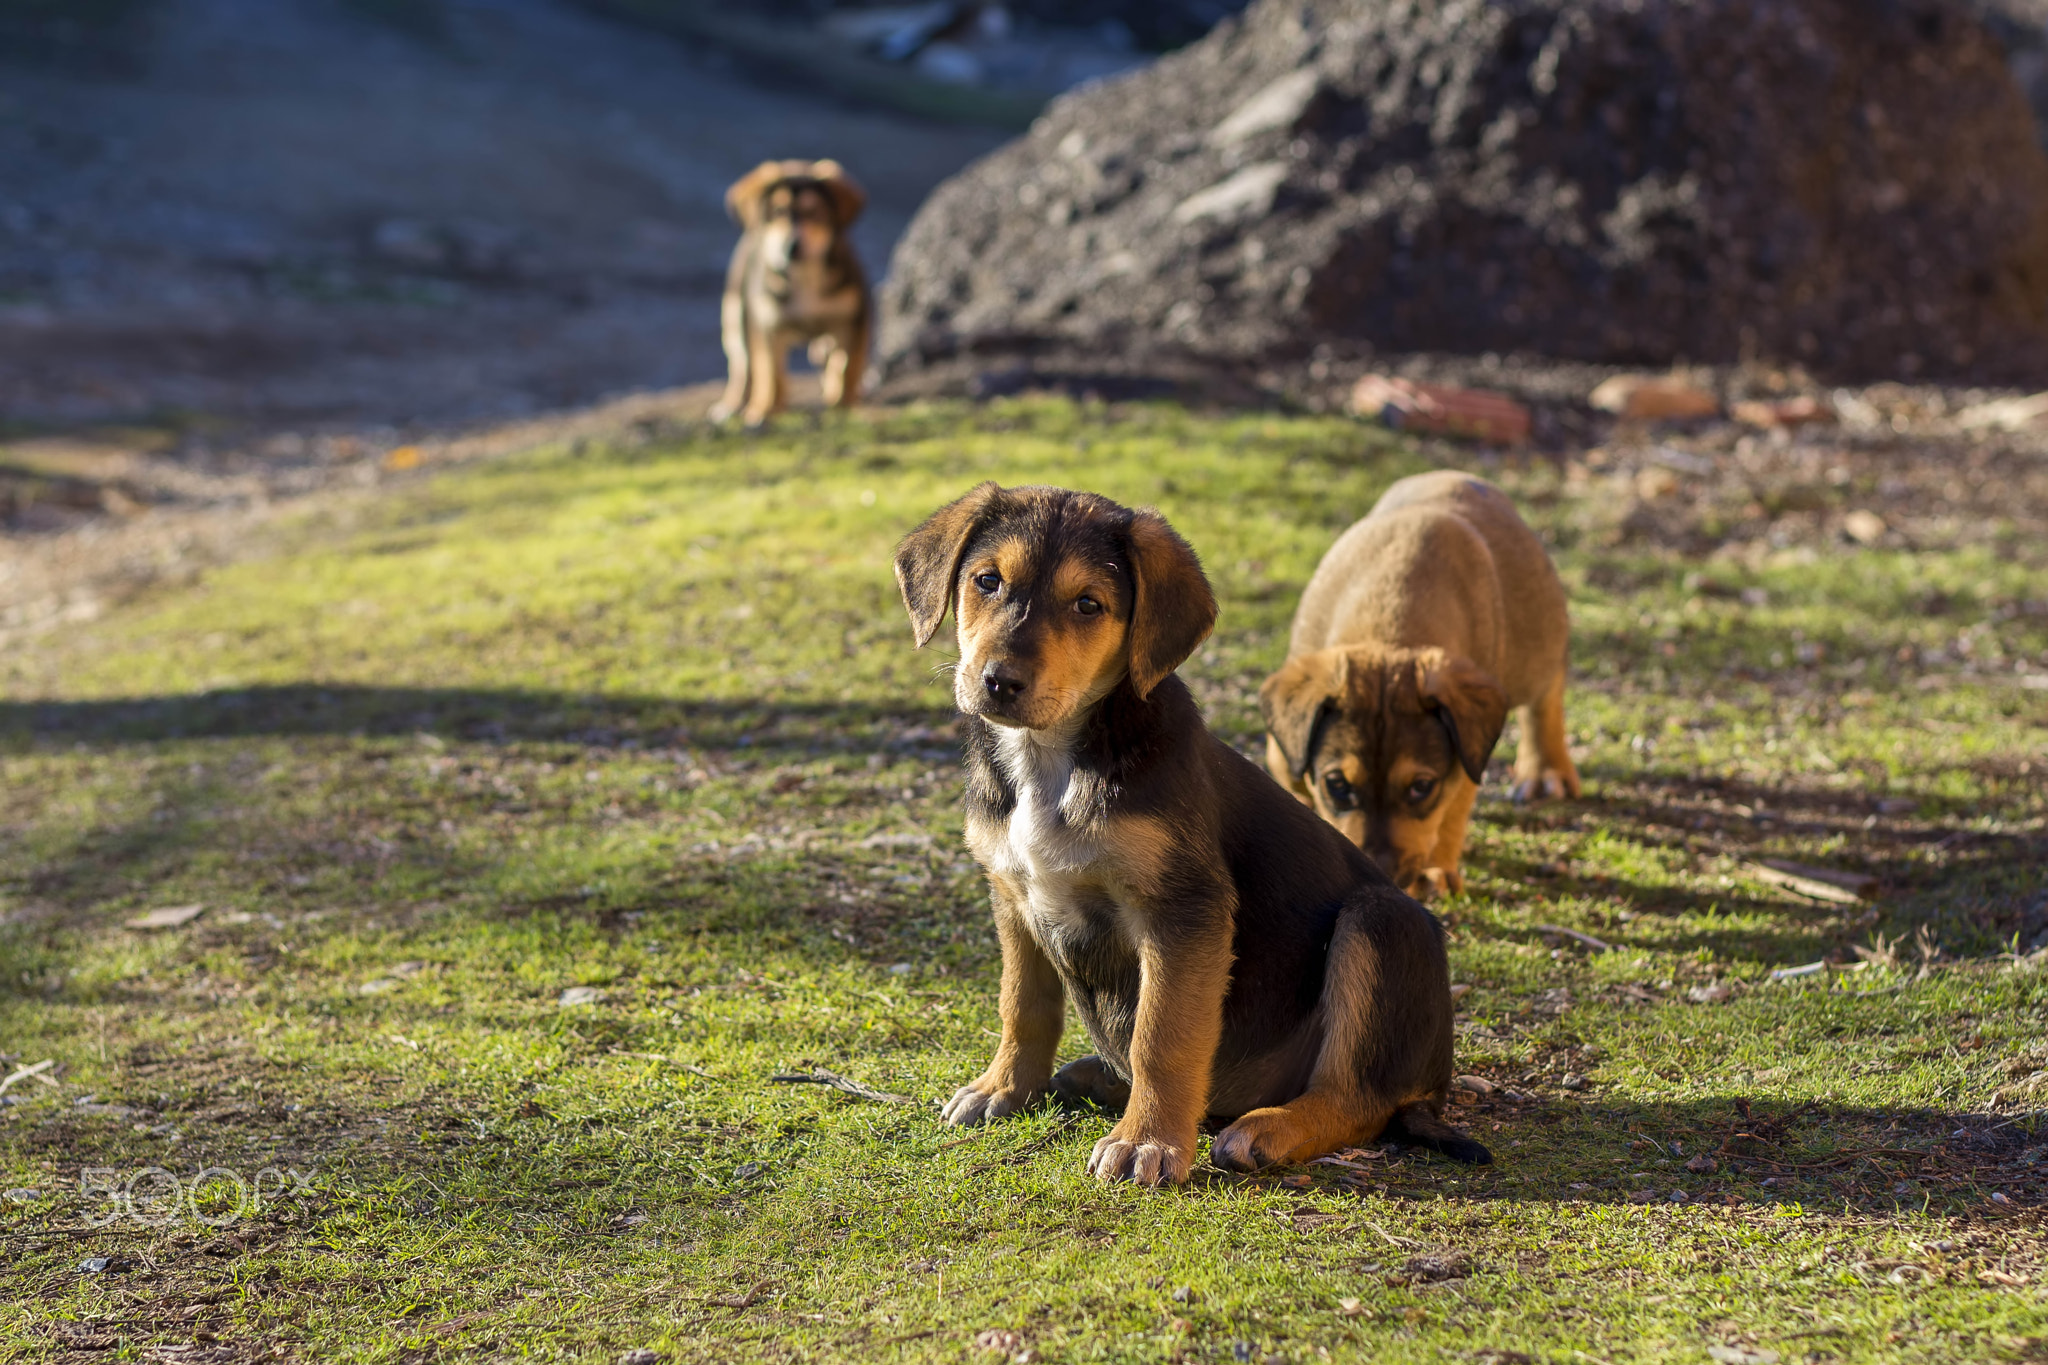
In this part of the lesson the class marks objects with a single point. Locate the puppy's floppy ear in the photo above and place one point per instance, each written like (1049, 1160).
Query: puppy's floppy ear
(1173, 609)
(848, 198)
(928, 559)
(1470, 704)
(743, 200)
(1296, 701)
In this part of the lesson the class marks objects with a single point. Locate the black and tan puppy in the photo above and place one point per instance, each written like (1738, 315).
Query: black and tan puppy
(794, 280)
(1231, 956)
(1422, 626)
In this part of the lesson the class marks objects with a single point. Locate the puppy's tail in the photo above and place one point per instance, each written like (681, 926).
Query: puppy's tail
(1421, 1125)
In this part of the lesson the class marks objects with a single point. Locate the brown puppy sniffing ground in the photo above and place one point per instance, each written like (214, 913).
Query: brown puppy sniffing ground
(1422, 627)
(1232, 957)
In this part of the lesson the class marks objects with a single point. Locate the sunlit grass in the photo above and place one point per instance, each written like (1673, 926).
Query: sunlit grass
(646, 719)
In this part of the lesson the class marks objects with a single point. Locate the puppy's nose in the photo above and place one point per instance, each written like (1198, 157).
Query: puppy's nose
(1003, 681)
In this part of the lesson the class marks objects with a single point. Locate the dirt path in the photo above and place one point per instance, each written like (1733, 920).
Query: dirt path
(298, 216)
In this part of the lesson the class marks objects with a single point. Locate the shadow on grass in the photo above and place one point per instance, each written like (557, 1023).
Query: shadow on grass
(1873, 1161)
(485, 715)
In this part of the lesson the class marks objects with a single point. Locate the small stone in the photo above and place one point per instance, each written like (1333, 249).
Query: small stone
(1864, 527)
(23, 1195)
(1478, 1085)
(580, 995)
(408, 242)
(1680, 1197)
(1439, 409)
(951, 64)
(1350, 1308)
(1654, 398)
(1574, 1081)
(93, 1265)
(639, 1355)
(1703, 1165)
(1787, 412)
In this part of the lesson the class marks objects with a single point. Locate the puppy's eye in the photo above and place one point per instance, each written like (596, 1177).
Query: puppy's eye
(1339, 788)
(988, 582)
(1087, 606)
(1420, 788)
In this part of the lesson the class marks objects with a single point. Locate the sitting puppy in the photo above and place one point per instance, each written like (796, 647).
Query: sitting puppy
(1424, 623)
(1230, 955)
(793, 279)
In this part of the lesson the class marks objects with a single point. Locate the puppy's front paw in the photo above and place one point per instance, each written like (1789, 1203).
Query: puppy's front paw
(722, 411)
(982, 1102)
(1434, 882)
(1549, 785)
(1141, 1158)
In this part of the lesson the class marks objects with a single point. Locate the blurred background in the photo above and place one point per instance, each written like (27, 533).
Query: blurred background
(402, 211)
(252, 247)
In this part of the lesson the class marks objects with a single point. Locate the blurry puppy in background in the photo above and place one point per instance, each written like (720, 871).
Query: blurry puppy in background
(794, 280)
(1424, 624)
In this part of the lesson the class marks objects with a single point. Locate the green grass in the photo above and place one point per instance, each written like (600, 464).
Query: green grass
(646, 719)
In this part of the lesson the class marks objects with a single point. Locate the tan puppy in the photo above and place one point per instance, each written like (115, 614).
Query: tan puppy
(1422, 626)
(793, 280)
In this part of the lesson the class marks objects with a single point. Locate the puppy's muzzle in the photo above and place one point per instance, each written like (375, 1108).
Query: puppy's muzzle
(1405, 868)
(1004, 684)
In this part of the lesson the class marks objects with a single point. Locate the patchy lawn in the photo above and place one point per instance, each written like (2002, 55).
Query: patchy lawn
(544, 812)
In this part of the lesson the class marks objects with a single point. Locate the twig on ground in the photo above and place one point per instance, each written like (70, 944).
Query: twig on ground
(1397, 1241)
(1597, 945)
(1817, 883)
(36, 1071)
(840, 1083)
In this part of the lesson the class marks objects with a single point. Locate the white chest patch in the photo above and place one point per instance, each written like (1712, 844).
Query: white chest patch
(1057, 861)
(811, 297)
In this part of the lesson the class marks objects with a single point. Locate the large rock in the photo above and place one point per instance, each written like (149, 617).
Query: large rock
(1850, 184)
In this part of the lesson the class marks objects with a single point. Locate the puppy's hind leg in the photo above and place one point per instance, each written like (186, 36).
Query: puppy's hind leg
(1422, 1125)
(1386, 1041)
(1543, 763)
(1089, 1082)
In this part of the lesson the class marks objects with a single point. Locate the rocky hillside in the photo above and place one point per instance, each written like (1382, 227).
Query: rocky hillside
(1853, 186)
